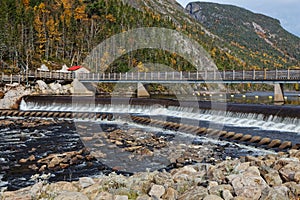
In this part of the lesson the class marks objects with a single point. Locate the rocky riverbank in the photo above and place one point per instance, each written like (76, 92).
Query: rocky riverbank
(264, 177)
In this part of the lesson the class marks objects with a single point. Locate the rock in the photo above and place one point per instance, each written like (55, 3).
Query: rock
(212, 184)
(195, 193)
(227, 195)
(275, 193)
(86, 182)
(164, 179)
(248, 184)
(104, 196)
(36, 190)
(42, 168)
(273, 178)
(121, 197)
(33, 167)
(216, 190)
(22, 160)
(42, 86)
(143, 197)
(297, 177)
(294, 189)
(56, 160)
(63, 166)
(71, 196)
(283, 162)
(31, 158)
(288, 171)
(212, 197)
(170, 194)
(157, 191)
(62, 186)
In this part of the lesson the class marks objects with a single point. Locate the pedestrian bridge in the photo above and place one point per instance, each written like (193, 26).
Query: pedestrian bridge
(276, 77)
(254, 76)
(243, 76)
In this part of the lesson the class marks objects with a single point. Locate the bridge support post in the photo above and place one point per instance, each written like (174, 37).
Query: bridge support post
(80, 89)
(141, 90)
(278, 94)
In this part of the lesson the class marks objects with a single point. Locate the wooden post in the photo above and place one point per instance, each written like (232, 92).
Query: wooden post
(243, 74)
(276, 74)
(205, 75)
(197, 75)
(289, 75)
(254, 77)
(224, 75)
(180, 75)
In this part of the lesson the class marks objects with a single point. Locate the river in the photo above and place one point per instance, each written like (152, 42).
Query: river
(22, 137)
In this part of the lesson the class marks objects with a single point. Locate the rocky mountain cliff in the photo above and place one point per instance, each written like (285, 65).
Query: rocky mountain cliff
(255, 38)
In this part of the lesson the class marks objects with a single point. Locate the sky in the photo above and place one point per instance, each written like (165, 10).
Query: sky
(287, 11)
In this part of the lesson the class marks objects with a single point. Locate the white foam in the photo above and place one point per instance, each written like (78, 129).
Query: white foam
(259, 121)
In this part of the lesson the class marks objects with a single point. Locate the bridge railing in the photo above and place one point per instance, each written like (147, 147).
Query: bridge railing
(242, 75)
(18, 78)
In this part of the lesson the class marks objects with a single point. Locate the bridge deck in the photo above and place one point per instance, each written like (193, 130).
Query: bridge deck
(263, 76)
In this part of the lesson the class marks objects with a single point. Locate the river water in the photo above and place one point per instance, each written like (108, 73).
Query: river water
(25, 136)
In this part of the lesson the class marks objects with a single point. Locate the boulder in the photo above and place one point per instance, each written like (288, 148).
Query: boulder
(289, 171)
(275, 193)
(104, 196)
(71, 196)
(195, 193)
(170, 194)
(273, 178)
(86, 182)
(212, 197)
(157, 191)
(227, 195)
(248, 184)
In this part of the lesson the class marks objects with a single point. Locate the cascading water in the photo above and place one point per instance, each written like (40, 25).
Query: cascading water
(235, 119)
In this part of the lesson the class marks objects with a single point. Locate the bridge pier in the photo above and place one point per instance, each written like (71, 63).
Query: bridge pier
(80, 89)
(141, 90)
(278, 94)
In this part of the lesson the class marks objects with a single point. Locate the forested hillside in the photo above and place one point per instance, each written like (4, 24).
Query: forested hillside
(57, 32)
(65, 31)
